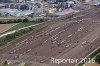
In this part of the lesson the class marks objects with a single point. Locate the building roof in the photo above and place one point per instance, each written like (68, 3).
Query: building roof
(67, 11)
(15, 12)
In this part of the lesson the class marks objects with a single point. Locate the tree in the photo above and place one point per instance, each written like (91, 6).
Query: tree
(25, 20)
(40, 20)
(23, 7)
(10, 37)
(97, 59)
(10, 21)
(19, 20)
(15, 21)
(0, 14)
(5, 63)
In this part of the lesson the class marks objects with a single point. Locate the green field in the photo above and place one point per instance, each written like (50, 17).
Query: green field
(20, 25)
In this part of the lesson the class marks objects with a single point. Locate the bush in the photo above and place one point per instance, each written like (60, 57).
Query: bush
(5, 63)
(3, 22)
(19, 20)
(10, 21)
(14, 21)
(97, 59)
(11, 37)
(22, 21)
(41, 20)
(25, 20)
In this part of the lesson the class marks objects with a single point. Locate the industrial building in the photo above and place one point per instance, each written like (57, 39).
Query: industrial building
(39, 7)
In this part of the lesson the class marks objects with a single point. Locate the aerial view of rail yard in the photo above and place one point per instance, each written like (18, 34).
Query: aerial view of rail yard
(49, 32)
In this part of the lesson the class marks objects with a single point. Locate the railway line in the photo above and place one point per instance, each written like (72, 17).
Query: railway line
(75, 38)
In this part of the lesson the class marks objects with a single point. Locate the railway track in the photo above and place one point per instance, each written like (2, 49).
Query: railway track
(63, 40)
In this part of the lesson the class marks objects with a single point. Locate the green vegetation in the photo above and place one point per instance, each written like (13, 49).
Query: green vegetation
(20, 25)
(92, 56)
(0, 14)
(23, 23)
(95, 53)
(5, 63)
(97, 59)
(23, 20)
(10, 37)
(15, 21)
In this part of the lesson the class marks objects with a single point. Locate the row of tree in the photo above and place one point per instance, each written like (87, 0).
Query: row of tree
(22, 21)
(15, 21)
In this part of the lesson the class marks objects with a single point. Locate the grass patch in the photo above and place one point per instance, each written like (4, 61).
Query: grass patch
(95, 53)
(5, 41)
(97, 59)
(91, 56)
(10, 37)
(20, 25)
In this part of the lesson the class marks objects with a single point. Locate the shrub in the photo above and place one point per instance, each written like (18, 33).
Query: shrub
(97, 59)
(25, 20)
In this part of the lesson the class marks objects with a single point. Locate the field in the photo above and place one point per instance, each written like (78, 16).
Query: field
(4, 27)
(20, 25)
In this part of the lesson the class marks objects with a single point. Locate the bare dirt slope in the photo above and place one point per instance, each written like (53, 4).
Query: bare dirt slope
(4, 27)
